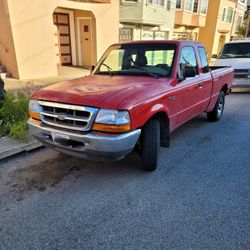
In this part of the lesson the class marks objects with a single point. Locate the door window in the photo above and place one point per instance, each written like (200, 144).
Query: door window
(187, 58)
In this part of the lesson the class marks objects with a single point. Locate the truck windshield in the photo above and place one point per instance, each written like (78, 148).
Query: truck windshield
(235, 50)
(154, 60)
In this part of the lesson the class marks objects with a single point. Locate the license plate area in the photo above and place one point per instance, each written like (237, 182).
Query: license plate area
(65, 141)
(57, 136)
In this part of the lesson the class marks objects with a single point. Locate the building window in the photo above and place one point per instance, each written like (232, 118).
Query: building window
(188, 5)
(204, 4)
(178, 4)
(239, 20)
(157, 2)
(126, 34)
(195, 7)
(227, 15)
(168, 5)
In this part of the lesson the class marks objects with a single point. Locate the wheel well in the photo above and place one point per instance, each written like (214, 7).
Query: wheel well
(164, 128)
(225, 89)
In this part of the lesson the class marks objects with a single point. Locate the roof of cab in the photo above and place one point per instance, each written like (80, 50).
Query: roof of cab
(240, 41)
(177, 42)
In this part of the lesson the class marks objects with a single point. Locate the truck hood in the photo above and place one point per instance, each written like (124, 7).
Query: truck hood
(236, 63)
(103, 91)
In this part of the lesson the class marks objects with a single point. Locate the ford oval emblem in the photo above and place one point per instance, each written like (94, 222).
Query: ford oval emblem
(61, 117)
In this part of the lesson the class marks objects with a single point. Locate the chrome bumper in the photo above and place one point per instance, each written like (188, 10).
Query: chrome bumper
(90, 145)
(238, 82)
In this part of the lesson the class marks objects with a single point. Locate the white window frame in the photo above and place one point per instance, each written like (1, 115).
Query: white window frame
(192, 5)
(156, 3)
(224, 17)
(130, 2)
(201, 3)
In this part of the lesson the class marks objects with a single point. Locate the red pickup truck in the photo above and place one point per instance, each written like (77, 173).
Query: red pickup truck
(138, 93)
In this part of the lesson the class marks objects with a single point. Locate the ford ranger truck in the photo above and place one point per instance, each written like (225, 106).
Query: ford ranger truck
(138, 93)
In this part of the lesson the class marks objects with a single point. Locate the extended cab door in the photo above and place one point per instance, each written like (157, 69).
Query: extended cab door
(206, 83)
(186, 101)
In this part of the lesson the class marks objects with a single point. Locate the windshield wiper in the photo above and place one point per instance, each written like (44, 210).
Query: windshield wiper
(146, 71)
(141, 68)
(109, 68)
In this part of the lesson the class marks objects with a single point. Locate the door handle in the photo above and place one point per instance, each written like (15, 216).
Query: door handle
(202, 84)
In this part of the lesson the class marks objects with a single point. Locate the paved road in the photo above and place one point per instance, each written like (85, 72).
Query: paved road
(199, 198)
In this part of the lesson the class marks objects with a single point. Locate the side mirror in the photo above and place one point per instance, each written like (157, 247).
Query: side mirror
(214, 56)
(189, 71)
(92, 68)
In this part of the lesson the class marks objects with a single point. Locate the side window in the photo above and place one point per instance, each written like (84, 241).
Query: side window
(204, 62)
(187, 58)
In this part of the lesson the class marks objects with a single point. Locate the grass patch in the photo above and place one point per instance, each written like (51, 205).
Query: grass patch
(14, 115)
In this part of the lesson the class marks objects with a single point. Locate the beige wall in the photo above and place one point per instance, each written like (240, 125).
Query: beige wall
(33, 32)
(7, 50)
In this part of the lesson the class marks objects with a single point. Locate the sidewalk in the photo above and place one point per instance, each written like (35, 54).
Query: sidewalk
(64, 73)
(10, 147)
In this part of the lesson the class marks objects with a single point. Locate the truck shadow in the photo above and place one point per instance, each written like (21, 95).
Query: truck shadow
(63, 170)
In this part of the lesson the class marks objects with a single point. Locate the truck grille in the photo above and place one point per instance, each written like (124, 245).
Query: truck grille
(242, 73)
(73, 117)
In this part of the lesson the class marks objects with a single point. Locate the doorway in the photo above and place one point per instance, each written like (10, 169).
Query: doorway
(221, 43)
(85, 41)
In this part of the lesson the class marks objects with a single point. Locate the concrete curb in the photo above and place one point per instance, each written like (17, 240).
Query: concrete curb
(13, 149)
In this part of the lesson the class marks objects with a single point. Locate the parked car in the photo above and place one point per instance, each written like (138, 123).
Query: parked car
(138, 93)
(237, 55)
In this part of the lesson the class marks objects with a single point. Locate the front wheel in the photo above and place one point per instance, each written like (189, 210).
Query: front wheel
(217, 112)
(150, 144)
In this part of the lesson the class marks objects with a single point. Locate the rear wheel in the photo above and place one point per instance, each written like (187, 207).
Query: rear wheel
(217, 112)
(150, 144)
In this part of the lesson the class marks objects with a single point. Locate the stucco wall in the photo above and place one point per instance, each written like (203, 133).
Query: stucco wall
(7, 51)
(33, 32)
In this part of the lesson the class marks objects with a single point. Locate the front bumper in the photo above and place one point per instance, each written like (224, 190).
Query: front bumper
(90, 145)
(241, 82)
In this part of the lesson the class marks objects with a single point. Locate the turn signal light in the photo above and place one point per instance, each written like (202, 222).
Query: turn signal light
(111, 128)
(35, 115)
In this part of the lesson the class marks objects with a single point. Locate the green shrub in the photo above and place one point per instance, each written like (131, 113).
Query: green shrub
(14, 115)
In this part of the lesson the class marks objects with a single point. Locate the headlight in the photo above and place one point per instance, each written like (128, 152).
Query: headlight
(109, 120)
(115, 117)
(35, 109)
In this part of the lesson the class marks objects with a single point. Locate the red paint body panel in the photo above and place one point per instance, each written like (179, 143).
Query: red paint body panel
(144, 96)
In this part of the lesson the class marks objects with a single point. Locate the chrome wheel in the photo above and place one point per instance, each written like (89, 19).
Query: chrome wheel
(220, 106)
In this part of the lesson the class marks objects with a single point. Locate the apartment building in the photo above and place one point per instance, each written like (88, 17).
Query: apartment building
(146, 19)
(189, 18)
(238, 18)
(219, 24)
(37, 35)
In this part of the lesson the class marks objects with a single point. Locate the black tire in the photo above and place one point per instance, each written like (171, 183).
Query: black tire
(217, 112)
(150, 145)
